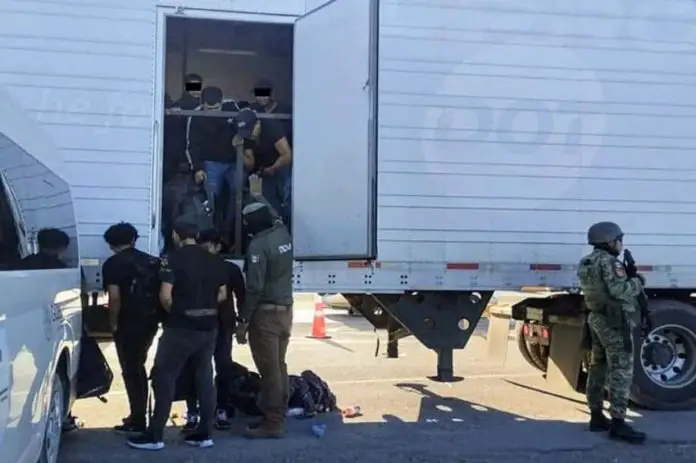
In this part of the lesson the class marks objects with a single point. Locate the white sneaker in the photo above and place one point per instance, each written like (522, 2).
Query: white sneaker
(199, 440)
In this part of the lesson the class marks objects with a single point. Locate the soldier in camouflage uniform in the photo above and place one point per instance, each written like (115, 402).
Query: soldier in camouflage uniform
(610, 297)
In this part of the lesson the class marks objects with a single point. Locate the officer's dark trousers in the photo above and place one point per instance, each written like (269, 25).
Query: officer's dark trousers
(223, 367)
(132, 345)
(269, 336)
(176, 347)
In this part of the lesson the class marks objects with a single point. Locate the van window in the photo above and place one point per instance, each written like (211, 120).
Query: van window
(37, 220)
(10, 249)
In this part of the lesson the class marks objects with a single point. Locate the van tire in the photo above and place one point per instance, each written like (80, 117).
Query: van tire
(674, 325)
(50, 447)
(525, 349)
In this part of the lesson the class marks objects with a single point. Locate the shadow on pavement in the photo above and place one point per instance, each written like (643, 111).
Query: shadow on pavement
(446, 429)
(541, 391)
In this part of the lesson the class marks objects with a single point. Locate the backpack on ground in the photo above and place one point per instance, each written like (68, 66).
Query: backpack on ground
(324, 399)
(145, 286)
(245, 387)
(94, 376)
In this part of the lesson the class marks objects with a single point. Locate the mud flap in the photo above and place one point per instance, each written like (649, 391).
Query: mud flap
(498, 334)
(566, 355)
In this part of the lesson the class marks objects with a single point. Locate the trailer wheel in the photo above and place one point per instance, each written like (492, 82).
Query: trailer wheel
(528, 351)
(665, 363)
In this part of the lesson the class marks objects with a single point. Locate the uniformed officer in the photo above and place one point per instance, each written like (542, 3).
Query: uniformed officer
(267, 313)
(610, 297)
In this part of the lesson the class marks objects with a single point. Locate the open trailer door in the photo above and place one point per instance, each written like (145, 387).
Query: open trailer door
(334, 120)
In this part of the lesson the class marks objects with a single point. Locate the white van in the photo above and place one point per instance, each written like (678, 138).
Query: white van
(40, 313)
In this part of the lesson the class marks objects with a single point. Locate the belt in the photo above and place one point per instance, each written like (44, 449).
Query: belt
(200, 312)
(271, 307)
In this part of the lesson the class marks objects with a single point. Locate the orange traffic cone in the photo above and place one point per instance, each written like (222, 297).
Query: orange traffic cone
(319, 323)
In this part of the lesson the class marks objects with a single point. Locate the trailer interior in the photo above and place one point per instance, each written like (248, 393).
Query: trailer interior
(234, 57)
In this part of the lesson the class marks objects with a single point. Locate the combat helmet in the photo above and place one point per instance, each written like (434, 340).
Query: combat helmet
(603, 232)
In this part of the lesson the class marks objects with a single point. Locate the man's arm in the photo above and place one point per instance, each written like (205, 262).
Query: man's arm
(114, 294)
(222, 294)
(255, 280)
(284, 154)
(237, 284)
(193, 150)
(168, 280)
(280, 141)
(245, 148)
(110, 277)
(613, 273)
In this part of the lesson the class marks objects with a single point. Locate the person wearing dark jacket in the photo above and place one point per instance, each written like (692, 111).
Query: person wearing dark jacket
(267, 313)
(210, 240)
(210, 141)
(191, 98)
(182, 169)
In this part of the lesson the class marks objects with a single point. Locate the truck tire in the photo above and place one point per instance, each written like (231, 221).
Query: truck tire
(526, 349)
(54, 421)
(665, 361)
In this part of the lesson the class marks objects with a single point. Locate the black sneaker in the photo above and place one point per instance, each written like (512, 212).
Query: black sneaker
(191, 424)
(130, 428)
(199, 440)
(145, 442)
(222, 422)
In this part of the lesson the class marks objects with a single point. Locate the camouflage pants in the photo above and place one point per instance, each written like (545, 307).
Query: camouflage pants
(609, 362)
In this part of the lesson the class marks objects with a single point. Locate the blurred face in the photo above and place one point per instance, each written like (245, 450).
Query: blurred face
(212, 107)
(263, 96)
(618, 245)
(194, 88)
(263, 100)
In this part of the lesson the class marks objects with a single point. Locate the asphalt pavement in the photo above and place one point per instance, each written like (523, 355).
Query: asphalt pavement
(494, 414)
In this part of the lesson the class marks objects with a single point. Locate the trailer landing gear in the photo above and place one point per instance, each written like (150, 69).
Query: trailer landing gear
(442, 321)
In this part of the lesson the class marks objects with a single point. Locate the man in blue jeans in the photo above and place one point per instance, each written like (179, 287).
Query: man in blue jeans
(210, 141)
(267, 147)
(223, 346)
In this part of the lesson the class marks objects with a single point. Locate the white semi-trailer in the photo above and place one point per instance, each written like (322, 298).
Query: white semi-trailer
(442, 150)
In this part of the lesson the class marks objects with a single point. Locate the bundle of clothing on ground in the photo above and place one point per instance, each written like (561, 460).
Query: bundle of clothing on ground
(307, 391)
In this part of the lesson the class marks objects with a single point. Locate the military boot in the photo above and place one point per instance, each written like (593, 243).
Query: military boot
(620, 430)
(599, 422)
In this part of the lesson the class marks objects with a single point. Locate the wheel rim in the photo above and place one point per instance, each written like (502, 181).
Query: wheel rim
(668, 356)
(54, 425)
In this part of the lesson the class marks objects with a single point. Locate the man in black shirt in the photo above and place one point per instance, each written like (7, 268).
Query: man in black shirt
(210, 142)
(133, 319)
(266, 146)
(52, 243)
(223, 348)
(193, 285)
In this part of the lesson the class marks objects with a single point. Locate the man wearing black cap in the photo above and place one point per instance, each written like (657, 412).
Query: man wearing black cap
(267, 313)
(211, 142)
(267, 148)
